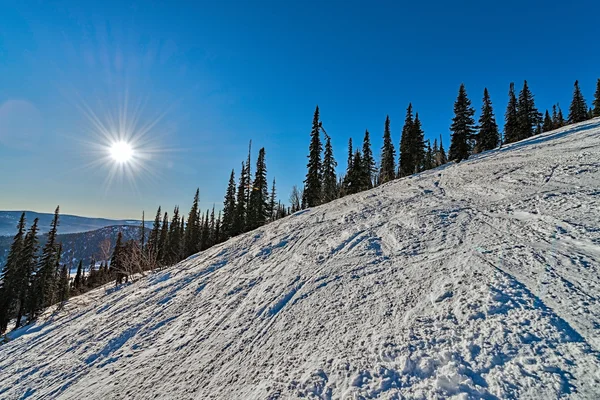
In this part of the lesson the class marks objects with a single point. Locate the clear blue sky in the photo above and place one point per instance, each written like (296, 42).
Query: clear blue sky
(225, 72)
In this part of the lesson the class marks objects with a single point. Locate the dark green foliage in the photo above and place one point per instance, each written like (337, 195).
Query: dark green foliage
(239, 222)
(368, 159)
(117, 262)
(272, 203)
(488, 136)
(463, 127)
(329, 177)
(387, 169)
(511, 118)
(548, 124)
(578, 111)
(192, 229)
(440, 156)
(204, 232)
(44, 290)
(10, 276)
(259, 196)
(229, 208)
(528, 116)
(27, 265)
(154, 238)
(162, 253)
(173, 252)
(314, 175)
(357, 179)
(428, 161)
(63, 285)
(78, 281)
(407, 159)
(418, 144)
(596, 103)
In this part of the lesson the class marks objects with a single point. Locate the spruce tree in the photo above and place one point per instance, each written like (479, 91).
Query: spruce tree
(78, 280)
(407, 158)
(368, 159)
(417, 145)
(488, 136)
(578, 109)
(27, 264)
(229, 208)
(528, 116)
(350, 155)
(218, 229)
(204, 232)
(174, 242)
(329, 176)
(192, 229)
(10, 276)
(428, 161)
(511, 118)
(117, 269)
(45, 277)
(442, 158)
(239, 222)
(387, 169)
(548, 124)
(357, 178)
(142, 232)
(314, 172)
(162, 253)
(154, 238)
(212, 238)
(259, 198)
(561, 119)
(463, 127)
(596, 103)
(272, 203)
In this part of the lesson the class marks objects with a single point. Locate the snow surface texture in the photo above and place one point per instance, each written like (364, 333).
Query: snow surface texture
(474, 280)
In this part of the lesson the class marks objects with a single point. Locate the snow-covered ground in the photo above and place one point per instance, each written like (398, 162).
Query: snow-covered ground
(475, 280)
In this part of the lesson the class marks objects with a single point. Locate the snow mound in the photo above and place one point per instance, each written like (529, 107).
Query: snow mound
(473, 280)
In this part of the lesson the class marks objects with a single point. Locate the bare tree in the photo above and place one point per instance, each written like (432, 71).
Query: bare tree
(295, 199)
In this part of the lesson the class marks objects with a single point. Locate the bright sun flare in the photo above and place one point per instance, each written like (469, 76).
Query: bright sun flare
(121, 152)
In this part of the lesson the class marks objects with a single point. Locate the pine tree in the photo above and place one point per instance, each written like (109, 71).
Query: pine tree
(218, 229)
(511, 118)
(239, 222)
(174, 242)
(192, 229)
(590, 113)
(77, 282)
(578, 108)
(357, 178)
(212, 239)
(548, 124)
(407, 157)
(248, 187)
(45, 277)
(387, 170)
(154, 238)
(441, 158)
(259, 198)
(314, 172)
(27, 263)
(204, 232)
(429, 160)
(350, 155)
(162, 254)
(417, 144)
(596, 103)
(528, 116)
(272, 203)
(368, 159)
(10, 276)
(488, 136)
(329, 176)
(229, 208)
(117, 269)
(463, 127)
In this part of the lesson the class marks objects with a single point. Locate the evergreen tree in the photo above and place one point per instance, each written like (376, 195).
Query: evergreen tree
(229, 209)
(578, 111)
(387, 169)
(212, 239)
(407, 157)
(329, 176)
(561, 118)
(239, 222)
(77, 281)
(511, 118)
(142, 232)
(248, 187)
(463, 127)
(218, 229)
(357, 178)
(27, 264)
(154, 238)
(45, 277)
(259, 198)
(162, 254)
(596, 103)
(205, 233)
(174, 239)
(417, 144)
(63, 285)
(528, 116)
(192, 229)
(548, 124)
(272, 203)
(429, 160)
(590, 113)
(117, 267)
(314, 175)
(368, 159)
(488, 136)
(350, 156)
(10, 276)
(441, 158)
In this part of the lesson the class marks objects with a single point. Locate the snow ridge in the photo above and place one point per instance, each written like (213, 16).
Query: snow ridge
(473, 280)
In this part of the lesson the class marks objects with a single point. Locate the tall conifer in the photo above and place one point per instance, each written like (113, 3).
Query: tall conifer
(511, 118)
(314, 174)
(488, 136)
(387, 169)
(463, 127)
(578, 111)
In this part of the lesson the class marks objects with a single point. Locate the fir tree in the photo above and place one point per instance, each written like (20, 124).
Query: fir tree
(10, 276)
(192, 229)
(357, 178)
(27, 264)
(596, 103)
(511, 118)
(205, 233)
(488, 136)
(368, 159)
(154, 238)
(578, 109)
(117, 261)
(218, 229)
(142, 232)
(441, 157)
(407, 157)
(272, 203)
(45, 277)
(259, 198)
(229, 208)
(548, 124)
(239, 222)
(417, 144)
(387, 169)
(528, 116)
(463, 127)
(314, 173)
(78, 281)
(561, 119)
(174, 236)
(429, 161)
(162, 253)
(329, 176)
(350, 155)
(212, 239)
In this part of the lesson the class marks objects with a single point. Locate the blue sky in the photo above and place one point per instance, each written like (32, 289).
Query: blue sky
(217, 74)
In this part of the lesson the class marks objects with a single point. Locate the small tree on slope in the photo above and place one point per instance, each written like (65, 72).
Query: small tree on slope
(463, 127)
(488, 136)
(578, 109)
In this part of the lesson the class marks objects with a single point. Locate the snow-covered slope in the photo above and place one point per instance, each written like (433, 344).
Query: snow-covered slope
(476, 280)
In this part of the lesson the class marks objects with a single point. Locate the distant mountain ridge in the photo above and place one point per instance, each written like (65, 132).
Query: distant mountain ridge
(68, 223)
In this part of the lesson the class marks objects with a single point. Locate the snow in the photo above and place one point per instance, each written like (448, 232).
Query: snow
(474, 280)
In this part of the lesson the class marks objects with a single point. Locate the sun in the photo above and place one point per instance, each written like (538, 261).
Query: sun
(121, 152)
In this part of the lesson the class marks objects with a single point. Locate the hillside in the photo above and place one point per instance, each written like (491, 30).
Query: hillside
(68, 223)
(475, 280)
(97, 244)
